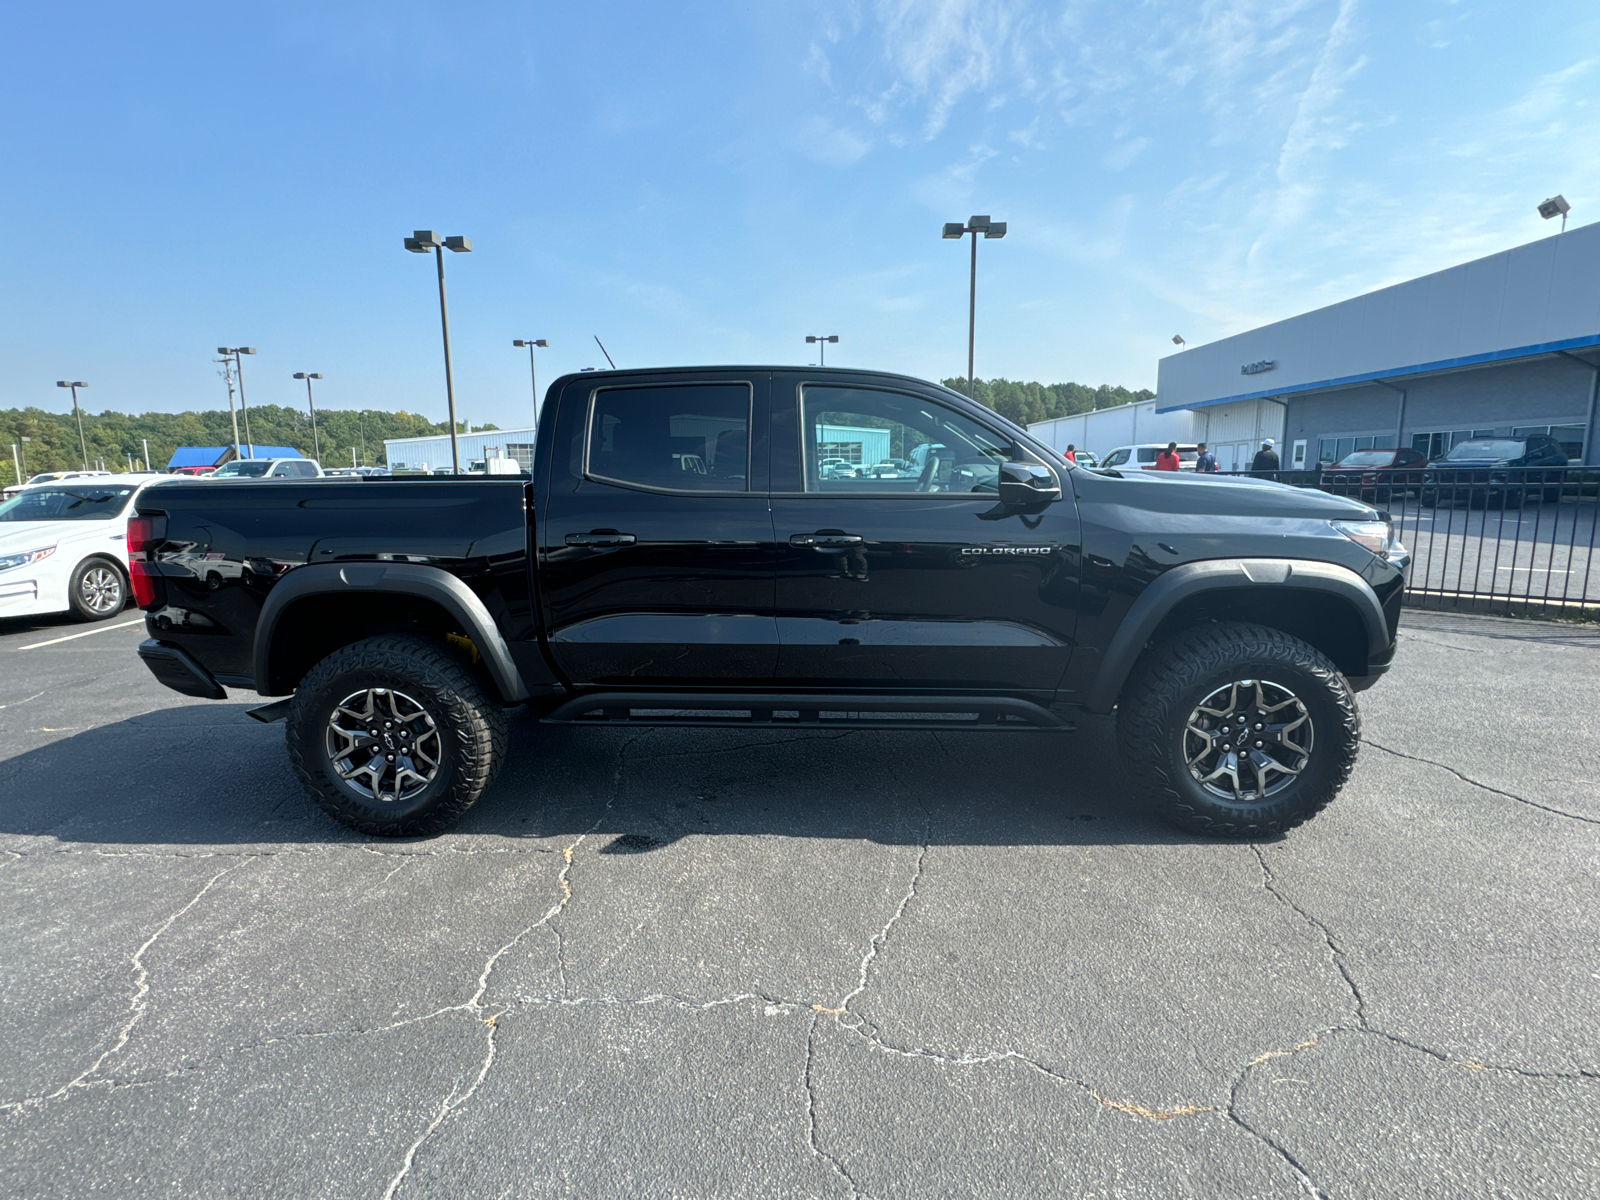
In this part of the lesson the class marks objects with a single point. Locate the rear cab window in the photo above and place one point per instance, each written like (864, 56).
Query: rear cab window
(690, 437)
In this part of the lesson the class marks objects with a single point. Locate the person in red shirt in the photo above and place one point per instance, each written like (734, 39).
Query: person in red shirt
(1167, 460)
(1071, 455)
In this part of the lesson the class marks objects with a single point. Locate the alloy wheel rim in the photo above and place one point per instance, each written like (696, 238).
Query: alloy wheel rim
(1248, 740)
(101, 589)
(383, 745)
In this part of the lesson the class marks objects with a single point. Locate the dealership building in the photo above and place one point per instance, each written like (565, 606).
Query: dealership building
(1506, 345)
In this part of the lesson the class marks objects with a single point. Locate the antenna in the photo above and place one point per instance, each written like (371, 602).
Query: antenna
(604, 351)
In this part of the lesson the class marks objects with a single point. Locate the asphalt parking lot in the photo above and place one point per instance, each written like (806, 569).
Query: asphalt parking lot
(728, 963)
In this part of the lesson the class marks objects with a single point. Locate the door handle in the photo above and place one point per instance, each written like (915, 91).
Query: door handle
(826, 541)
(601, 539)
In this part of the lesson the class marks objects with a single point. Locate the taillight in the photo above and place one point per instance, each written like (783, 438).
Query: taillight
(143, 531)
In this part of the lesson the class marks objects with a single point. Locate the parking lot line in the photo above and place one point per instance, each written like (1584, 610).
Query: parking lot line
(85, 633)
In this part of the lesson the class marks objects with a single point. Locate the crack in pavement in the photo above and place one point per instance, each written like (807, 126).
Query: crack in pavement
(473, 1005)
(1363, 1024)
(1484, 786)
(817, 1148)
(1272, 1143)
(136, 1006)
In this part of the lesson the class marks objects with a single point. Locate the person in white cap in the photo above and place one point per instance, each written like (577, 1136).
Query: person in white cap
(1265, 463)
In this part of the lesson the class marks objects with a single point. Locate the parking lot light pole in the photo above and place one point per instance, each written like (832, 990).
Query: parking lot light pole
(16, 463)
(420, 242)
(822, 341)
(954, 230)
(533, 373)
(311, 403)
(82, 445)
(244, 412)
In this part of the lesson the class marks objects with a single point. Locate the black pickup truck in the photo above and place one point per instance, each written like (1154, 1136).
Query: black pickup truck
(772, 547)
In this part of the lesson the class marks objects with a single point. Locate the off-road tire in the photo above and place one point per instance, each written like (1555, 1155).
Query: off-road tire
(1174, 676)
(472, 727)
(109, 590)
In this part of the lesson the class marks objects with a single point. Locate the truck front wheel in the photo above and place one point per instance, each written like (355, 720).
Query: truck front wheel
(394, 736)
(1238, 730)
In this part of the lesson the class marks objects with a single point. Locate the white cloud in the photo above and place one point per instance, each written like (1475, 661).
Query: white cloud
(1120, 157)
(954, 184)
(822, 141)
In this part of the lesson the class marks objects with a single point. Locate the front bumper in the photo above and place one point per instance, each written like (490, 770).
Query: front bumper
(178, 669)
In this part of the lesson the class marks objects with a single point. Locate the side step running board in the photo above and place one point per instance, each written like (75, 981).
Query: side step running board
(268, 713)
(807, 710)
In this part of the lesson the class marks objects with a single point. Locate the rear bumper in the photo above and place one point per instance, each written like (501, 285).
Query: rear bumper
(178, 669)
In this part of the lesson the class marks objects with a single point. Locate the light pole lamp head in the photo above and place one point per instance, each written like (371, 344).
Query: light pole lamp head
(518, 342)
(952, 229)
(996, 229)
(809, 340)
(246, 350)
(422, 241)
(976, 224)
(224, 349)
(458, 245)
(833, 337)
(542, 343)
(1177, 340)
(64, 383)
(307, 375)
(1556, 206)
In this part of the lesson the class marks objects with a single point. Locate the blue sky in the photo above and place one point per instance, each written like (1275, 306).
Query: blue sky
(709, 182)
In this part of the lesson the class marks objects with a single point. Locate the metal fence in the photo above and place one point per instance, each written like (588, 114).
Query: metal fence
(1486, 539)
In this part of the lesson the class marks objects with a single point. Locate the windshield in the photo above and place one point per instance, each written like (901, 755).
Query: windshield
(247, 469)
(67, 503)
(1367, 458)
(1487, 450)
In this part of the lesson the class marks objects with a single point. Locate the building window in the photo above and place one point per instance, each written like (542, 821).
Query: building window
(1437, 443)
(1333, 449)
(1570, 436)
(523, 453)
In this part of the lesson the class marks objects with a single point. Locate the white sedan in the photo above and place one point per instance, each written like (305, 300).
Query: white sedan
(63, 546)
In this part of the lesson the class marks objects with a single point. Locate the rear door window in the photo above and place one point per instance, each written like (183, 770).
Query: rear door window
(682, 437)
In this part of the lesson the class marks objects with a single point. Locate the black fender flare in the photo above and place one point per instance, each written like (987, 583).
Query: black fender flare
(1178, 583)
(409, 579)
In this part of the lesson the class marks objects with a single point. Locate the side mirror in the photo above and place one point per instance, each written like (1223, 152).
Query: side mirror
(1025, 484)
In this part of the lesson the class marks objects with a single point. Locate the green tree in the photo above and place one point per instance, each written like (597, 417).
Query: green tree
(116, 437)
(1025, 403)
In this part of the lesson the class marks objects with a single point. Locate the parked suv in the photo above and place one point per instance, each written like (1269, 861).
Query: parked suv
(998, 588)
(1496, 471)
(1379, 474)
(268, 468)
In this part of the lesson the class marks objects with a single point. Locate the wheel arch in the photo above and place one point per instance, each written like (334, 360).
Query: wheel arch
(317, 609)
(1324, 604)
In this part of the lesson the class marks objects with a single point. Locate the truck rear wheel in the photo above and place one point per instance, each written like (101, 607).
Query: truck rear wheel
(395, 736)
(1238, 730)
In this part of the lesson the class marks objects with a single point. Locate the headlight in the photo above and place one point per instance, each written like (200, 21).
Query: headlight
(9, 561)
(1377, 536)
